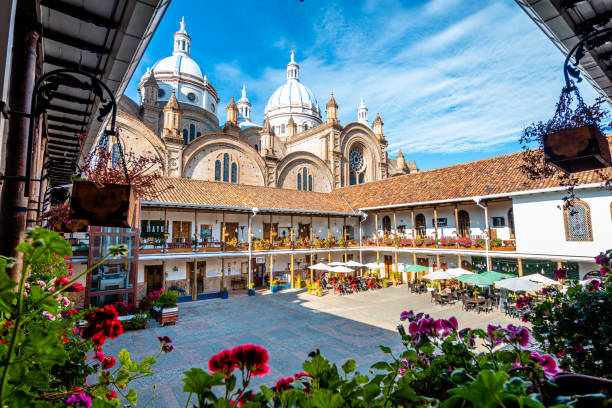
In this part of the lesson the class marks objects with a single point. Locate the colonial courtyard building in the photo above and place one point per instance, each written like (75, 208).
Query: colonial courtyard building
(244, 204)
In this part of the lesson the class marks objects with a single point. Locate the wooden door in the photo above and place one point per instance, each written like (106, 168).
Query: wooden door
(258, 272)
(304, 231)
(386, 224)
(268, 229)
(463, 229)
(181, 232)
(191, 275)
(200, 277)
(419, 224)
(423, 262)
(388, 259)
(231, 228)
(154, 277)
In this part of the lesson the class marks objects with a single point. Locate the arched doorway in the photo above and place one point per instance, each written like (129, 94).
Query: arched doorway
(463, 228)
(419, 225)
(511, 222)
(386, 224)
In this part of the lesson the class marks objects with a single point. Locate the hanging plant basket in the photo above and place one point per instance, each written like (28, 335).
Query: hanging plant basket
(578, 149)
(105, 205)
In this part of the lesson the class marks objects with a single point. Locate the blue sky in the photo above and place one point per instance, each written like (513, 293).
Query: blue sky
(453, 80)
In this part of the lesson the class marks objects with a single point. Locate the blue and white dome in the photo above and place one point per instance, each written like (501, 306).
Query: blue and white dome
(292, 100)
(180, 74)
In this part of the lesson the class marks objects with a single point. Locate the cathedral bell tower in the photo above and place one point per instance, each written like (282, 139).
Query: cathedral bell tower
(377, 128)
(332, 110)
(149, 111)
(231, 125)
(171, 137)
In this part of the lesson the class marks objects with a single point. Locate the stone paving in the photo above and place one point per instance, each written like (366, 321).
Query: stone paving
(289, 325)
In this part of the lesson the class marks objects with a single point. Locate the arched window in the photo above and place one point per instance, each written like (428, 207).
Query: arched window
(116, 156)
(511, 220)
(256, 148)
(226, 164)
(386, 224)
(352, 178)
(234, 172)
(577, 217)
(361, 178)
(191, 132)
(283, 128)
(305, 127)
(183, 45)
(218, 170)
(185, 136)
(419, 225)
(463, 228)
(199, 134)
(299, 180)
(305, 178)
(310, 182)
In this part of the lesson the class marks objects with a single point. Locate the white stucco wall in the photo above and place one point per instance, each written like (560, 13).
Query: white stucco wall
(540, 227)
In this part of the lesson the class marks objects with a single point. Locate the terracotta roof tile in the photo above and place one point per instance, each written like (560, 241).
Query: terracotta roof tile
(214, 194)
(496, 175)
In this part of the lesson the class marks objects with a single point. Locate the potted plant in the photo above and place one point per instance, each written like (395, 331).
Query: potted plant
(298, 282)
(166, 308)
(251, 289)
(465, 242)
(429, 242)
(479, 242)
(418, 242)
(224, 293)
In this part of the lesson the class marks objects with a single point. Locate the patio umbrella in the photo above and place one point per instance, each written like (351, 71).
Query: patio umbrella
(341, 269)
(354, 264)
(536, 277)
(437, 275)
(483, 279)
(458, 272)
(319, 267)
(416, 268)
(336, 264)
(517, 284)
(374, 265)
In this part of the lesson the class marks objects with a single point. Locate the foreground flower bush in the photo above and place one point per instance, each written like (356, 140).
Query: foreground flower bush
(44, 354)
(440, 366)
(577, 327)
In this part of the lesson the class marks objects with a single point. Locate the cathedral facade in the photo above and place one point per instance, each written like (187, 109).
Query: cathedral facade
(295, 147)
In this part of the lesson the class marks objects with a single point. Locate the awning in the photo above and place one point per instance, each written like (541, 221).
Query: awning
(104, 38)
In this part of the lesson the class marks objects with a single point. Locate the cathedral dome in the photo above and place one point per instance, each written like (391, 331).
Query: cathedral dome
(292, 100)
(292, 93)
(182, 64)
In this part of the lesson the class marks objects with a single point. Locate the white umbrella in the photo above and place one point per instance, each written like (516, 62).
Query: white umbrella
(319, 267)
(341, 269)
(438, 275)
(336, 264)
(536, 277)
(517, 284)
(455, 272)
(354, 264)
(374, 265)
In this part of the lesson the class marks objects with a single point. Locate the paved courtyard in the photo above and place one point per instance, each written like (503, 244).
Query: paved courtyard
(289, 325)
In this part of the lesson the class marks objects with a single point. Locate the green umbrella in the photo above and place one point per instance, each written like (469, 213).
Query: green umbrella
(416, 268)
(483, 279)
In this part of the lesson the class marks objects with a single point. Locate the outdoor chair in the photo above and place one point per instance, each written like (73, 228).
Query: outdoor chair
(433, 296)
(486, 307)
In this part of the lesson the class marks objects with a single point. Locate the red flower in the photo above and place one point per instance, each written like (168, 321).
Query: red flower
(283, 384)
(297, 376)
(111, 395)
(251, 358)
(222, 363)
(108, 363)
(103, 324)
(75, 287)
(61, 281)
(560, 273)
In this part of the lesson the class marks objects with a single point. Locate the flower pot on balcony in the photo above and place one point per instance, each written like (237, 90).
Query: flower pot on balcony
(577, 149)
(106, 205)
(251, 292)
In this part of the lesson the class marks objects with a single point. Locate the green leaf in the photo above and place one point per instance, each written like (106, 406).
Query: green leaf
(327, 399)
(385, 349)
(316, 366)
(290, 397)
(132, 397)
(123, 378)
(124, 357)
(7, 294)
(486, 391)
(267, 392)
(381, 365)
(200, 382)
(6, 262)
(349, 366)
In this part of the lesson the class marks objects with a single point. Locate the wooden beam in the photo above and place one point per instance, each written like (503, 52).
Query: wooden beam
(396, 236)
(436, 221)
(79, 13)
(74, 42)
(62, 63)
(413, 229)
(519, 262)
